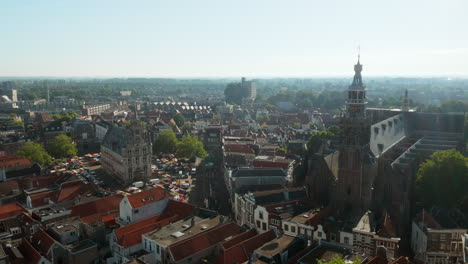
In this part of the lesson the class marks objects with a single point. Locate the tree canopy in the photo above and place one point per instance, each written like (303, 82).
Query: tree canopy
(16, 122)
(166, 142)
(316, 139)
(442, 179)
(337, 260)
(190, 147)
(35, 152)
(62, 147)
(65, 116)
(454, 106)
(233, 93)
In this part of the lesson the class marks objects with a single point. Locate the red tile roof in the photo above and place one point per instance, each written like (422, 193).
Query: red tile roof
(238, 148)
(43, 198)
(318, 217)
(179, 208)
(243, 250)
(42, 241)
(147, 197)
(130, 235)
(377, 260)
(99, 206)
(10, 210)
(44, 180)
(31, 255)
(107, 219)
(44, 117)
(239, 238)
(9, 161)
(403, 260)
(72, 189)
(270, 164)
(67, 192)
(202, 241)
(7, 187)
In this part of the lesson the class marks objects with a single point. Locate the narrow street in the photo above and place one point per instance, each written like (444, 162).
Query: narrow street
(209, 190)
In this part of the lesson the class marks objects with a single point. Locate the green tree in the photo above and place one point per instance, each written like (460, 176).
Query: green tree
(442, 179)
(62, 147)
(296, 125)
(35, 152)
(282, 150)
(317, 138)
(179, 119)
(65, 116)
(337, 260)
(233, 93)
(16, 122)
(263, 118)
(270, 107)
(166, 142)
(190, 147)
(454, 106)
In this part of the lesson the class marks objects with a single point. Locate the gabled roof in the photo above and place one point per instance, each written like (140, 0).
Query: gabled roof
(239, 238)
(243, 250)
(43, 198)
(67, 192)
(147, 197)
(107, 219)
(10, 210)
(179, 208)
(44, 180)
(44, 117)
(366, 223)
(387, 229)
(129, 236)
(99, 206)
(239, 148)
(202, 241)
(42, 241)
(377, 260)
(12, 161)
(31, 255)
(403, 260)
(70, 190)
(427, 219)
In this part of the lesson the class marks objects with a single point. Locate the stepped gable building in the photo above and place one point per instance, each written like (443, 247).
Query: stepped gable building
(374, 165)
(126, 152)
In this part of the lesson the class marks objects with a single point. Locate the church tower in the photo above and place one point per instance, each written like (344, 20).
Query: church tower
(353, 187)
(355, 123)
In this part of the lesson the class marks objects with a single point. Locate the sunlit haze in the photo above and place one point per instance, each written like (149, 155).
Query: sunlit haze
(212, 38)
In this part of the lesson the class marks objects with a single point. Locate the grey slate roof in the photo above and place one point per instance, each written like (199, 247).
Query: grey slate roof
(116, 139)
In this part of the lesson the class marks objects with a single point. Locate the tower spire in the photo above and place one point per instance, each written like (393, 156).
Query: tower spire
(359, 54)
(405, 106)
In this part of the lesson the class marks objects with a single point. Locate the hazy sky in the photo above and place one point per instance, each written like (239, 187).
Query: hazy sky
(220, 38)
